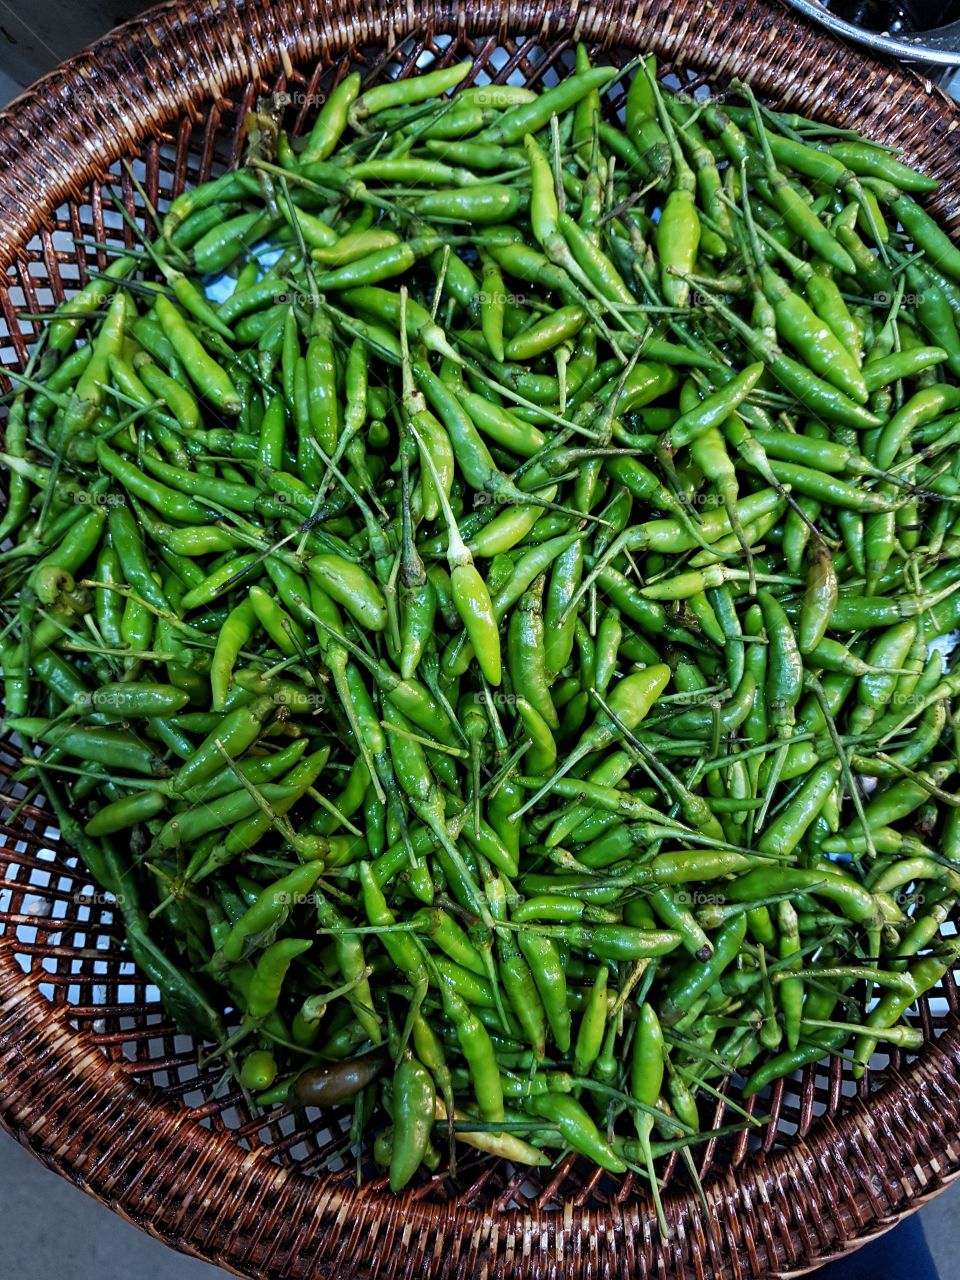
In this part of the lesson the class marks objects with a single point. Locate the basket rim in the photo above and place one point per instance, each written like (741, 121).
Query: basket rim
(28, 198)
(74, 1107)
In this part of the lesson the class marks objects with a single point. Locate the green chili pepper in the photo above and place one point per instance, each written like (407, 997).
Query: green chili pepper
(414, 1101)
(529, 118)
(578, 1129)
(331, 121)
(202, 370)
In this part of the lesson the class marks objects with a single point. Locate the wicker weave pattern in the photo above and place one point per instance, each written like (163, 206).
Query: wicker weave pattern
(92, 1075)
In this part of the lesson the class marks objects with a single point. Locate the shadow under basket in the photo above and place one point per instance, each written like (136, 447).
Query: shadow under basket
(94, 1077)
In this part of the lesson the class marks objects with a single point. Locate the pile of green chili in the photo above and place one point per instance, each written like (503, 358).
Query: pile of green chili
(488, 656)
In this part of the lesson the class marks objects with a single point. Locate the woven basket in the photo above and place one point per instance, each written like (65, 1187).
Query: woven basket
(93, 1076)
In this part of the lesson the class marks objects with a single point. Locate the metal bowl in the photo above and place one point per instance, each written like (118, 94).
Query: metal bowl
(939, 46)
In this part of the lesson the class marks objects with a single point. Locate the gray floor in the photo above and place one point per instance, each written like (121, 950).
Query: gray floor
(51, 1229)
